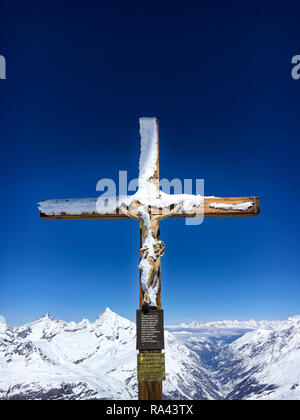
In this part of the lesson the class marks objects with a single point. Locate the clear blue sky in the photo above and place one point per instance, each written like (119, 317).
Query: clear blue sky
(218, 76)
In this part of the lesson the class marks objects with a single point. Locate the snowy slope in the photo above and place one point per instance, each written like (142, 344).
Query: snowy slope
(263, 364)
(54, 359)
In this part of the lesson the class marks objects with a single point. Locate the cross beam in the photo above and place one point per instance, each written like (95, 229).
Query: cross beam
(148, 206)
(225, 207)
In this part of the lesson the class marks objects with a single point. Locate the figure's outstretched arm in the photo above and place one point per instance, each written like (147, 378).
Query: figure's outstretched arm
(132, 214)
(171, 212)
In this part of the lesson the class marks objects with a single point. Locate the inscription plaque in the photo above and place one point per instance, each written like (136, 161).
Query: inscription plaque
(151, 367)
(150, 330)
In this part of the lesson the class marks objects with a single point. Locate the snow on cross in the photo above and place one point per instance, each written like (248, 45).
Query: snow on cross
(149, 206)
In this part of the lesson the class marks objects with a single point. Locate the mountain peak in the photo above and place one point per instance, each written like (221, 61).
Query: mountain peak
(44, 317)
(113, 320)
(106, 313)
(108, 310)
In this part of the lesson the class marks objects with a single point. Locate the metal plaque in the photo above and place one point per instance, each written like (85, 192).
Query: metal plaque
(151, 367)
(150, 330)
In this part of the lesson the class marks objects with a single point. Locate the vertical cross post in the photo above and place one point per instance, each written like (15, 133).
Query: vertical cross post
(152, 390)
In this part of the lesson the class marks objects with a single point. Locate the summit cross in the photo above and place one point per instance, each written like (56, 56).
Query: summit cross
(149, 205)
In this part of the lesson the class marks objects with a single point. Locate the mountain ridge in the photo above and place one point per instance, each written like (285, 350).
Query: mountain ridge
(55, 359)
(247, 324)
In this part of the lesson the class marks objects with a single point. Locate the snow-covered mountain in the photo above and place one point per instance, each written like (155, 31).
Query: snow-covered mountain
(53, 359)
(263, 364)
(251, 324)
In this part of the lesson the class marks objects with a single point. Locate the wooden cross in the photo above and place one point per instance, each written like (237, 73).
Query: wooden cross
(149, 206)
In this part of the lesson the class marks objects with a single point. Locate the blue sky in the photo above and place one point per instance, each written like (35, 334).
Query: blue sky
(218, 76)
